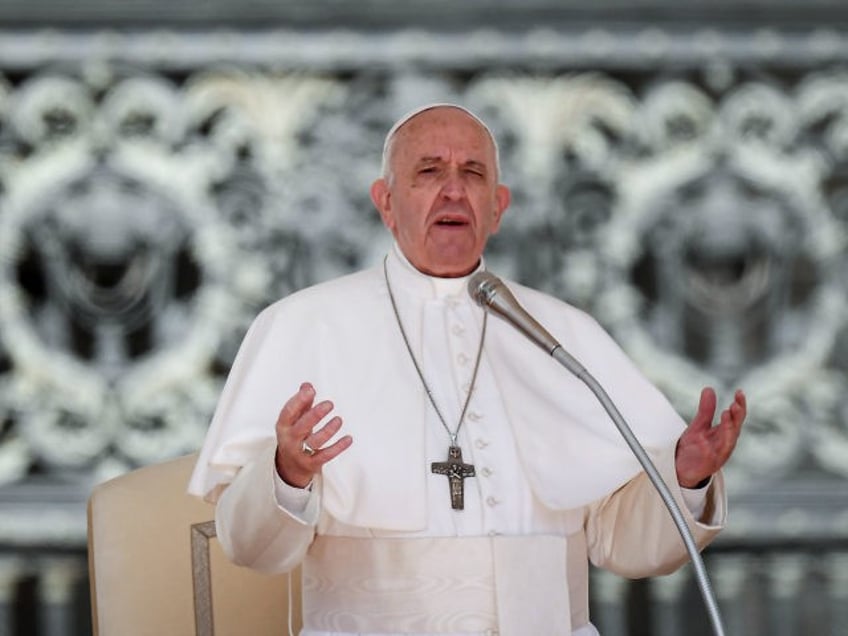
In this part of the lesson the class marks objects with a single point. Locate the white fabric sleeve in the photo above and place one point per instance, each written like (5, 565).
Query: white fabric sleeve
(296, 501)
(696, 499)
(631, 532)
(253, 529)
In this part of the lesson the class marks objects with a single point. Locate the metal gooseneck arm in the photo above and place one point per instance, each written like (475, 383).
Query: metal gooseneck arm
(491, 293)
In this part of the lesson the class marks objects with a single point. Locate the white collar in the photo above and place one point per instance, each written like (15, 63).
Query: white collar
(403, 275)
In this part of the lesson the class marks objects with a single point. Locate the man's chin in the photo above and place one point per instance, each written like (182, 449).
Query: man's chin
(446, 258)
(445, 267)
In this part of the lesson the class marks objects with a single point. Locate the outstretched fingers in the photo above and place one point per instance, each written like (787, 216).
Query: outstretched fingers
(703, 448)
(730, 426)
(300, 447)
(703, 420)
(296, 406)
(323, 453)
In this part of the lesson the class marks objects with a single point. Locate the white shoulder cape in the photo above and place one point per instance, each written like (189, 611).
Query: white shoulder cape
(342, 337)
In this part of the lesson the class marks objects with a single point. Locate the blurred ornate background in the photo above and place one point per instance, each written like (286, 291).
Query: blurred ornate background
(167, 169)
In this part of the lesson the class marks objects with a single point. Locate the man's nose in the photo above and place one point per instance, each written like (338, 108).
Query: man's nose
(453, 187)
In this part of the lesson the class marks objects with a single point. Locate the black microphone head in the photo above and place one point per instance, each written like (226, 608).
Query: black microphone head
(483, 286)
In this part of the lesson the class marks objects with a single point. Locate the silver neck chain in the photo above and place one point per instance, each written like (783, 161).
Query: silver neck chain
(453, 435)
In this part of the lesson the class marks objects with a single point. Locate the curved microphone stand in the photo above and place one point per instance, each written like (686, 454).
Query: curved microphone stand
(492, 294)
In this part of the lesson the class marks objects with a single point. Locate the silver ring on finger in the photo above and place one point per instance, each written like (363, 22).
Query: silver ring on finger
(307, 449)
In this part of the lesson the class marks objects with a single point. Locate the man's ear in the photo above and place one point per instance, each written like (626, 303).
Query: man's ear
(382, 198)
(502, 198)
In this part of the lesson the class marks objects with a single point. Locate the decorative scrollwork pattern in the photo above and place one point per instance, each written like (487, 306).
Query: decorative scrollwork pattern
(147, 213)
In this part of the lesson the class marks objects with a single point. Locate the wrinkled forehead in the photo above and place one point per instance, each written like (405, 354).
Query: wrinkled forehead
(400, 123)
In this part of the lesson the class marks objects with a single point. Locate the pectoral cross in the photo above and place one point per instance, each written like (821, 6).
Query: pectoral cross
(456, 472)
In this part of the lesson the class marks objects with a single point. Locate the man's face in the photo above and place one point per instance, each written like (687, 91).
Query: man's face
(442, 200)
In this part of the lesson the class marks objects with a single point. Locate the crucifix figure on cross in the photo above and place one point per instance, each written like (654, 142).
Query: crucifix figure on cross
(456, 472)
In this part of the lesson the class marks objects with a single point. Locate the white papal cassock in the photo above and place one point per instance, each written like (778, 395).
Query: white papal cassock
(381, 547)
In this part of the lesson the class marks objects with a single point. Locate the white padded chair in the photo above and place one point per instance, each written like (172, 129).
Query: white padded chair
(156, 568)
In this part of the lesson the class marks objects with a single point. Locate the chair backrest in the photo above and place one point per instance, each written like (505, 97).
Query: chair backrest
(156, 568)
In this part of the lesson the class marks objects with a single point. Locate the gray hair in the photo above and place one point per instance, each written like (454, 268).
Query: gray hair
(388, 144)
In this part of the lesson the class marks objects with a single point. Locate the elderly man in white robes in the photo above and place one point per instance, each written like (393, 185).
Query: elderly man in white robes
(450, 478)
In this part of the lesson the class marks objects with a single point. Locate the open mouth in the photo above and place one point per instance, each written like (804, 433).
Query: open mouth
(451, 222)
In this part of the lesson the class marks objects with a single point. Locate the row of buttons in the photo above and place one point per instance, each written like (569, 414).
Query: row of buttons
(475, 416)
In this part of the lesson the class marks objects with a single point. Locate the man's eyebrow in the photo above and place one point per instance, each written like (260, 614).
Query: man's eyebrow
(471, 163)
